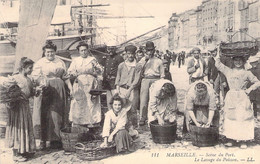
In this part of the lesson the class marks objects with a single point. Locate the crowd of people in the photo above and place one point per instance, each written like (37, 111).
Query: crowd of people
(139, 89)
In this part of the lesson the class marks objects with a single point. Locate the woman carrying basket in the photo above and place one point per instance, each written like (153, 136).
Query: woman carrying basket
(238, 122)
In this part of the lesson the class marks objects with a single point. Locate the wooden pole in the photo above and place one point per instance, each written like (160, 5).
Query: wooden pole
(141, 35)
(97, 5)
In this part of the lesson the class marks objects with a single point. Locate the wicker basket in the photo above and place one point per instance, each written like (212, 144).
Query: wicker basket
(165, 134)
(92, 151)
(245, 48)
(203, 137)
(70, 136)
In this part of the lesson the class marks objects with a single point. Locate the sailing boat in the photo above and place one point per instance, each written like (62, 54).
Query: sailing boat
(30, 25)
(35, 18)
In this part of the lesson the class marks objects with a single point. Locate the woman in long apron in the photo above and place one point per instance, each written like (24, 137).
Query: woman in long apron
(238, 122)
(85, 109)
(49, 114)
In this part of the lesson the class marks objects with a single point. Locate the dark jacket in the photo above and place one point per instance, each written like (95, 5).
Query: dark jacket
(212, 70)
(110, 70)
(255, 95)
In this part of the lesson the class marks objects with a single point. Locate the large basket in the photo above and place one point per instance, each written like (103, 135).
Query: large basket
(70, 136)
(163, 134)
(92, 151)
(203, 137)
(245, 48)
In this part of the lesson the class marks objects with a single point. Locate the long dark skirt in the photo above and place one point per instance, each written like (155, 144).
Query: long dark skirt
(123, 141)
(52, 112)
(19, 130)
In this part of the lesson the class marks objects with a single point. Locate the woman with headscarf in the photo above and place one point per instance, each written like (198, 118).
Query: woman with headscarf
(85, 108)
(162, 102)
(19, 130)
(238, 122)
(201, 104)
(50, 113)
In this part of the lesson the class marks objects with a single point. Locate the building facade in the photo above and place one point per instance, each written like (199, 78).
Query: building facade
(216, 21)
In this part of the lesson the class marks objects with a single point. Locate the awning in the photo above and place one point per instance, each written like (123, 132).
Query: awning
(62, 15)
(9, 16)
(8, 24)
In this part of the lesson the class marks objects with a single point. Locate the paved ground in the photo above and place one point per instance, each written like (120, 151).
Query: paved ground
(148, 151)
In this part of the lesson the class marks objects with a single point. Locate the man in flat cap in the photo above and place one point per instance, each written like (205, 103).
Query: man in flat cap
(196, 68)
(167, 72)
(111, 62)
(124, 79)
(148, 70)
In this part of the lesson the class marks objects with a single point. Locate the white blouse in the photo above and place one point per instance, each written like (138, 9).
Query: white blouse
(46, 68)
(115, 122)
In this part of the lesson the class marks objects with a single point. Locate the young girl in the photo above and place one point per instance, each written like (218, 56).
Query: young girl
(19, 130)
(238, 122)
(114, 125)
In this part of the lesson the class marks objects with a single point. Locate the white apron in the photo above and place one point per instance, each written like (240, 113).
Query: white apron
(238, 116)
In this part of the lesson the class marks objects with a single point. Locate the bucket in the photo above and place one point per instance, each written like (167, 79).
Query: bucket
(70, 136)
(203, 137)
(164, 134)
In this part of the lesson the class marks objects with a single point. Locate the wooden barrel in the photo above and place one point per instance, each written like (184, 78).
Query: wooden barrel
(164, 134)
(203, 137)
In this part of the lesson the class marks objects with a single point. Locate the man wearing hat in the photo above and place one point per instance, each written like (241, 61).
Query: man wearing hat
(111, 62)
(196, 67)
(149, 69)
(168, 56)
(167, 72)
(254, 95)
(212, 70)
(124, 79)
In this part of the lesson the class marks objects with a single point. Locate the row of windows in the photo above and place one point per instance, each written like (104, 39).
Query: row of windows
(207, 28)
(209, 18)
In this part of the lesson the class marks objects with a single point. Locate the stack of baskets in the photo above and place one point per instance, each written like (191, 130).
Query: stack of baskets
(70, 136)
(92, 151)
(203, 137)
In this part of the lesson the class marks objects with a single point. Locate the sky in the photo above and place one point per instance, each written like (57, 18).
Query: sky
(160, 9)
